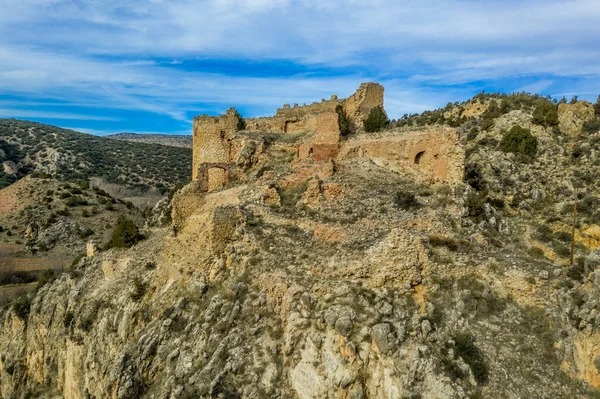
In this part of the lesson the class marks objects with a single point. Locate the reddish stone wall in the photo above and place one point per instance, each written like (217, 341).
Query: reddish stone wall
(327, 129)
(325, 152)
(432, 154)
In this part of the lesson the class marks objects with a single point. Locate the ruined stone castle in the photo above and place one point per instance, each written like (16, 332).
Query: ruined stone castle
(222, 145)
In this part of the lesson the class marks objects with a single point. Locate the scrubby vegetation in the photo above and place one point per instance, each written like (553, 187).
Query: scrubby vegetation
(82, 156)
(519, 141)
(10, 153)
(343, 121)
(125, 235)
(22, 306)
(464, 347)
(406, 200)
(545, 114)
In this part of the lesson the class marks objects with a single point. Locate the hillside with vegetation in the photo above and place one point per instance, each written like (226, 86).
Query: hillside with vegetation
(172, 140)
(45, 225)
(27, 147)
(343, 279)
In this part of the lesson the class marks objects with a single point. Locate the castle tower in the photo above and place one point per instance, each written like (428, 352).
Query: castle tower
(211, 147)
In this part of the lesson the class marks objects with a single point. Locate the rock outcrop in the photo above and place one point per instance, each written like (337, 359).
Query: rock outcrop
(571, 117)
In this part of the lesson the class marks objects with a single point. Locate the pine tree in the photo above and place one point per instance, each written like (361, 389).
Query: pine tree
(343, 121)
(377, 120)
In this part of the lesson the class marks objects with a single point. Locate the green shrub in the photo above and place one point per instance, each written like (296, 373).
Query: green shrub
(474, 177)
(580, 151)
(377, 120)
(83, 184)
(291, 195)
(86, 233)
(77, 259)
(591, 126)
(544, 234)
(562, 250)
(576, 271)
(343, 121)
(476, 206)
(563, 236)
(46, 277)
(125, 235)
(68, 319)
(519, 141)
(536, 252)
(21, 306)
(437, 241)
(545, 114)
(139, 289)
(76, 200)
(464, 346)
(473, 133)
(406, 200)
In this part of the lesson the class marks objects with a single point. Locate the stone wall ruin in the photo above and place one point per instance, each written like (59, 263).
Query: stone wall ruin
(218, 142)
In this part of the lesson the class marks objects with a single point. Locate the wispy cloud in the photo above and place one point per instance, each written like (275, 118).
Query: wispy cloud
(23, 113)
(143, 60)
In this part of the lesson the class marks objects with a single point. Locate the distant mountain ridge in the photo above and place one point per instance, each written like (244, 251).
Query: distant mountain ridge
(182, 141)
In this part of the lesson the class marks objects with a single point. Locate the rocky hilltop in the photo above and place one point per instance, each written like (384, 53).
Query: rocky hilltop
(430, 259)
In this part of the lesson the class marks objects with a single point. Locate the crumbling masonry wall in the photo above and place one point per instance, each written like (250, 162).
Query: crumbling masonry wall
(430, 155)
(213, 139)
(211, 145)
(326, 141)
(433, 154)
(303, 118)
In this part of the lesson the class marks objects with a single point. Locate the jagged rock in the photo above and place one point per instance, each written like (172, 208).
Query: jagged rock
(381, 334)
(425, 328)
(343, 325)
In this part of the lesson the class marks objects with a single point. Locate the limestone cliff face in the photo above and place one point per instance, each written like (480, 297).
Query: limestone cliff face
(351, 278)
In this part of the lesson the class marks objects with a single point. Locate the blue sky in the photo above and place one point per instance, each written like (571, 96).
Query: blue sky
(109, 66)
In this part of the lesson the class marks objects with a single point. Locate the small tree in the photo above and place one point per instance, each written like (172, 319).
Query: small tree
(21, 306)
(597, 107)
(343, 121)
(241, 123)
(377, 120)
(125, 235)
(545, 114)
(520, 141)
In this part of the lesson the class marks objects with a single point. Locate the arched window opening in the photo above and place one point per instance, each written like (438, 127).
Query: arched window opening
(418, 157)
